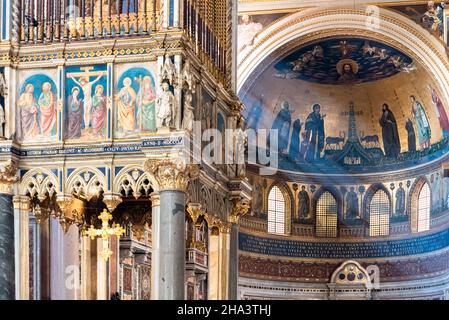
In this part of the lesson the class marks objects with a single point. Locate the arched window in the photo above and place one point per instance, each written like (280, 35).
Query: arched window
(326, 215)
(379, 214)
(424, 208)
(276, 211)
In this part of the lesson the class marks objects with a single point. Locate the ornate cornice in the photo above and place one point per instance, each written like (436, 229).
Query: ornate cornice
(171, 173)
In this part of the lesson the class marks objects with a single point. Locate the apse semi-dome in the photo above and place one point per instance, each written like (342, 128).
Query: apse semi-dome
(379, 108)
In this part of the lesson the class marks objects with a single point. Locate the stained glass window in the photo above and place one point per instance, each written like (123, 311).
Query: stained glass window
(276, 211)
(326, 216)
(424, 208)
(379, 211)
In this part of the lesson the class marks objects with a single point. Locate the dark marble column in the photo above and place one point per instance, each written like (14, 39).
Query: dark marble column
(7, 282)
(170, 178)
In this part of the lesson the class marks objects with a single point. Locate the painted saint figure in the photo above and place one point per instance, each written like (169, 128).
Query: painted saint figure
(390, 135)
(255, 114)
(146, 105)
(99, 111)
(303, 203)
(86, 86)
(314, 133)
(442, 116)
(28, 113)
(125, 100)
(165, 107)
(422, 123)
(282, 124)
(47, 106)
(295, 143)
(400, 201)
(411, 137)
(352, 204)
(75, 115)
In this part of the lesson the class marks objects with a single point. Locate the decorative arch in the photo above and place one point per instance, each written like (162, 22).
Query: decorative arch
(338, 200)
(413, 200)
(132, 181)
(350, 273)
(86, 182)
(39, 182)
(367, 201)
(289, 204)
(317, 23)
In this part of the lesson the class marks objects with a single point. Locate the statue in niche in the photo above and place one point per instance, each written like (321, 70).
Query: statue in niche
(2, 107)
(314, 134)
(165, 107)
(390, 135)
(206, 118)
(303, 204)
(295, 141)
(421, 122)
(282, 124)
(411, 137)
(400, 200)
(240, 142)
(258, 199)
(187, 122)
(352, 204)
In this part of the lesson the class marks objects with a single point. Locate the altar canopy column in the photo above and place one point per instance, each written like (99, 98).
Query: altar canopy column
(64, 261)
(224, 261)
(7, 283)
(155, 244)
(213, 267)
(171, 177)
(233, 262)
(22, 246)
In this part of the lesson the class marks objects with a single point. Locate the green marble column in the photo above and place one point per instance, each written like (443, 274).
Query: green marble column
(7, 282)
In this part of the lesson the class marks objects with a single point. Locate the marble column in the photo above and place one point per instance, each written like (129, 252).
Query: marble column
(223, 253)
(7, 277)
(213, 265)
(233, 262)
(64, 262)
(102, 271)
(155, 244)
(171, 177)
(22, 246)
(7, 291)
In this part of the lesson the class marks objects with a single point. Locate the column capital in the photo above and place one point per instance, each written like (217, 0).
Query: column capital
(8, 176)
(171, 173)
(112, 200)
(195, 211)
(155, 199)
(21, 203)
(240, 207)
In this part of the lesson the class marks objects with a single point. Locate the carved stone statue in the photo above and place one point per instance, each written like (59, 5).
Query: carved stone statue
(165, 107)
(2, 107)
(187, 121)
(240, 142)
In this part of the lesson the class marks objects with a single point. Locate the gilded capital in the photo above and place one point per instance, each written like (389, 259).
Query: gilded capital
(239, 209)
(8, 176)
(171, 173)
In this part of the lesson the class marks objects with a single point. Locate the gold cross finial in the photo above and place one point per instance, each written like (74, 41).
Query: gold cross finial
(105, 232)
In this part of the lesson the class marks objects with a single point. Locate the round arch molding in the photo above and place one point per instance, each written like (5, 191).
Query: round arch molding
(317, 23)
